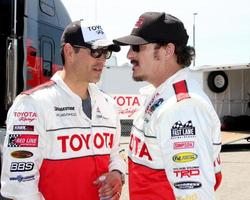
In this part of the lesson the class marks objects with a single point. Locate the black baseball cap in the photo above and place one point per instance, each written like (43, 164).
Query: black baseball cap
(156, 27)
(81, 33)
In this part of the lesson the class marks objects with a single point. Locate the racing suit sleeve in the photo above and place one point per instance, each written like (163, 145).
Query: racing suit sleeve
(22, 150)
(189, 139)
(116, 162)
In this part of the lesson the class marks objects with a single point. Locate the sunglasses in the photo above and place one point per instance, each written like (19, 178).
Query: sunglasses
(97, 53)
(135, 48)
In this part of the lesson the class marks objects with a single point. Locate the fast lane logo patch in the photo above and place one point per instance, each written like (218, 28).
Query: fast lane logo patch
(180, 130)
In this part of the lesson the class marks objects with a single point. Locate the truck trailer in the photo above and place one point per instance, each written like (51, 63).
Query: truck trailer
(30, 35)
(228, 87)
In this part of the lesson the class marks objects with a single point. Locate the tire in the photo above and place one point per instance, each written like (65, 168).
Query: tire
(217, 81)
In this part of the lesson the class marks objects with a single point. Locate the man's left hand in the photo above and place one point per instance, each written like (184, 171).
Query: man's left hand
(110, 185)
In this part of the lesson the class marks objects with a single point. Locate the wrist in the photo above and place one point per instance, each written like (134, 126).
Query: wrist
(121, 174)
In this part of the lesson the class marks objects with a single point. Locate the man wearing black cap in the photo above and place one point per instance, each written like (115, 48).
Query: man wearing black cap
(62, 139)
(175, 139)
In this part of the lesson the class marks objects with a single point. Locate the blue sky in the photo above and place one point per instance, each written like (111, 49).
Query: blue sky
(222, 27)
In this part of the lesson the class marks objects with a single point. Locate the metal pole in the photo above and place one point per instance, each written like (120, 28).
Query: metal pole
(96, 11)
(194, 14)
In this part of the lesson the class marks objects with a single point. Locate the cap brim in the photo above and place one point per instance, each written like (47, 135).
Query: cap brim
(106, 43)
(130, 40)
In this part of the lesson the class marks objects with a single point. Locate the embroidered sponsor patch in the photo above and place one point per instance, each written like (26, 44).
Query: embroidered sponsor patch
(180, 130)
(186, 185)
(21, 154)
(67, 111)
(152, 106)
(67, 108)
(184, 157)
(183, 145)
(25, 116)
(23, 140)
(21, 166)
(21, 178)
(181, 90)
(186, 172)
(193, 196)
(23, 128)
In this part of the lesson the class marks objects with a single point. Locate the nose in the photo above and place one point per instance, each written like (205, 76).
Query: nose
(101, 58)
(131, 54)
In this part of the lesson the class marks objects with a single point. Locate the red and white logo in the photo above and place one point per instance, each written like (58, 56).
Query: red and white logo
(128, 105)
(184, 145)
(25, 116)
(187, 172)
(77, 142)
(139, 23)
(139, 148)
(23, 140)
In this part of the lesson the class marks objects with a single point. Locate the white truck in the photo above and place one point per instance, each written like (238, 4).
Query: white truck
(228, 87)
(117, 81)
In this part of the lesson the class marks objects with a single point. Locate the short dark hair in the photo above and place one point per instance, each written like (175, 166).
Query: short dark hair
(76, 50)
(184, 54)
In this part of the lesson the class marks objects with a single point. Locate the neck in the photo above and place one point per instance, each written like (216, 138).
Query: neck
(77, 86)
(166, 74)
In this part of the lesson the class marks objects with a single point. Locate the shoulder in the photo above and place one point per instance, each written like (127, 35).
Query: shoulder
(107, 97)
(33, 98)
(186, 95)
(23, 108)
(181, 90)
(39, 87)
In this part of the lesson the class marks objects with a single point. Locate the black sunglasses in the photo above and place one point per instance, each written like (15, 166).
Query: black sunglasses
(97, 53)
(135, 48)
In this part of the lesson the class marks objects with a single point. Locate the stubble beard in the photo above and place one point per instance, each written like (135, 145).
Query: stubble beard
(138, 79)
(135, 77)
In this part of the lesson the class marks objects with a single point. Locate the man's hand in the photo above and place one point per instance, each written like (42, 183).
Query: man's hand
(110, 185)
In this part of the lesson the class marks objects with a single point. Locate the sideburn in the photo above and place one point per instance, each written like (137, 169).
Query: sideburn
(156, 54)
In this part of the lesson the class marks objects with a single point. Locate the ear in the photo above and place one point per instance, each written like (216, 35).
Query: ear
(68, 51)
(170, 49)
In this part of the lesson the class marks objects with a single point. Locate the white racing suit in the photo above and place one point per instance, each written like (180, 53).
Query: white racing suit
(175, 143)
(52, 150)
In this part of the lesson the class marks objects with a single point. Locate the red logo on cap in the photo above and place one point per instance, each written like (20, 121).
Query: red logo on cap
(139, 23)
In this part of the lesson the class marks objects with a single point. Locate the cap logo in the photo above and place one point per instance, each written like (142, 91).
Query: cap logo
(92, 33)
(97, 28)
(139, 23)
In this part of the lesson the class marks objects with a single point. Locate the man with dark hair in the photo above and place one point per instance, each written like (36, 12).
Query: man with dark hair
(175, 139)
(62, 139)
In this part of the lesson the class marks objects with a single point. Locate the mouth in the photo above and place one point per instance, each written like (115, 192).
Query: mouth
(98, 68)
(135, 64)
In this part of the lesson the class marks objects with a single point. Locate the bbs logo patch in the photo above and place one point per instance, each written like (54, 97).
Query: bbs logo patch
(21, 166)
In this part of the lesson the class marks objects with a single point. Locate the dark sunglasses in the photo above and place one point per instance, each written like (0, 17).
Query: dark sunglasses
(135, 48)
(97, 53)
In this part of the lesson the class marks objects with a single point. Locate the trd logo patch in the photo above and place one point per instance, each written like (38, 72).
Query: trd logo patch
(180, 130)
